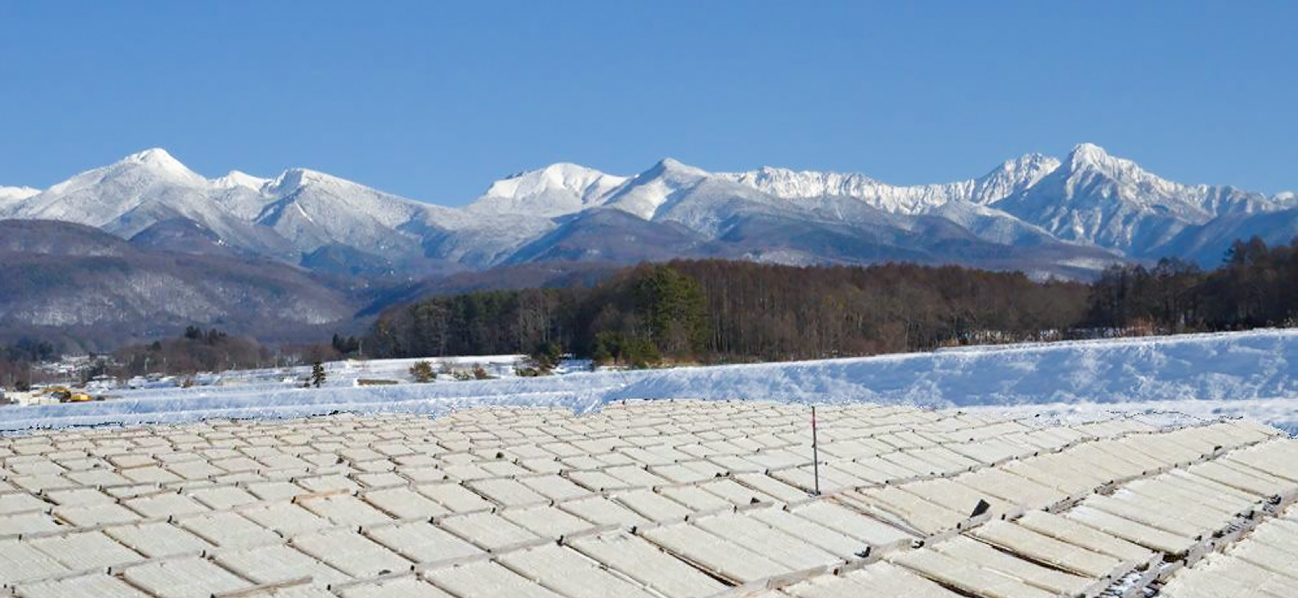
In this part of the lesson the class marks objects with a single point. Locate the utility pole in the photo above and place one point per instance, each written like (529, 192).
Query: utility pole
(815, 450)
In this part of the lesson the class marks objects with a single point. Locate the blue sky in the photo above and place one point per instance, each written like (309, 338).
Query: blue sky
(433, 100)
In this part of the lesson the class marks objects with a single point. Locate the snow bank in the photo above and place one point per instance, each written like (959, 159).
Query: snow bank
(1206, 366)
(1221, 368)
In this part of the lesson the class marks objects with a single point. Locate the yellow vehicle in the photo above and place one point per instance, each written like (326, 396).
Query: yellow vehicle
(59, 392)
(67, 395)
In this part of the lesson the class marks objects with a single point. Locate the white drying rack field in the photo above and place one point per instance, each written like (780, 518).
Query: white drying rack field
(1208, 375)
(652, 499)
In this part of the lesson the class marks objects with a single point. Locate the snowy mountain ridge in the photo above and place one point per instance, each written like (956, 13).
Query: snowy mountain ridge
(1089, 207)
(1103, 200)
(1011, 176)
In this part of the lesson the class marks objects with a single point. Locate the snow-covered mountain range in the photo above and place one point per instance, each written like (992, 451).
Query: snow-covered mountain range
(1036, 213)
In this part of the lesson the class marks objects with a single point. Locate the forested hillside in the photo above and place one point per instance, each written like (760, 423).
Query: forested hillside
(82, 289)
(1255, 286)
(732, 311)
(715, 310)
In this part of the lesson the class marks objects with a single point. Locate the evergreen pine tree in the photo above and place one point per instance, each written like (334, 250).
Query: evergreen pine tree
(317, 374)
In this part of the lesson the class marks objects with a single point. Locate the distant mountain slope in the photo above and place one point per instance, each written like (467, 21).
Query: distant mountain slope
(101, 290)
(182, 235)
(534, 275)
(1202, 243)
(1036, 213)
(612, 236)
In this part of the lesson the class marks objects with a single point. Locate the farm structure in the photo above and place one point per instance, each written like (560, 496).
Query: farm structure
(651, 499)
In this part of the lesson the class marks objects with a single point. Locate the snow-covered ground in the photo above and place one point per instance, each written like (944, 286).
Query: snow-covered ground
(344, 373)
(1206, 375)
(349, 372)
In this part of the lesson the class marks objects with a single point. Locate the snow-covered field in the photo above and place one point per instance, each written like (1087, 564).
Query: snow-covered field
(348, 372)
(1251, 374)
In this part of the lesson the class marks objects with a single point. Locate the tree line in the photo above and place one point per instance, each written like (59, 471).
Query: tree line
(193, 351)
(196, 350)
(714, 310)
(711, 311)
(17, 361)
(1255, 286)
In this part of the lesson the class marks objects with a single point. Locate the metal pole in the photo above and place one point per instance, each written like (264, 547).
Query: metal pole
(815, 450)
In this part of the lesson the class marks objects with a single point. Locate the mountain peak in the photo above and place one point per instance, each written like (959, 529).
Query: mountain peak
(560, 175)
(674, 166)
(294, 178)
(557, 189)
(1087, 153)
(160, 161)
(1036, 159)
(567, 169)
(1027, 169)
(1012, 176)
(156, 157)
(239, 179)
(1089, 160)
